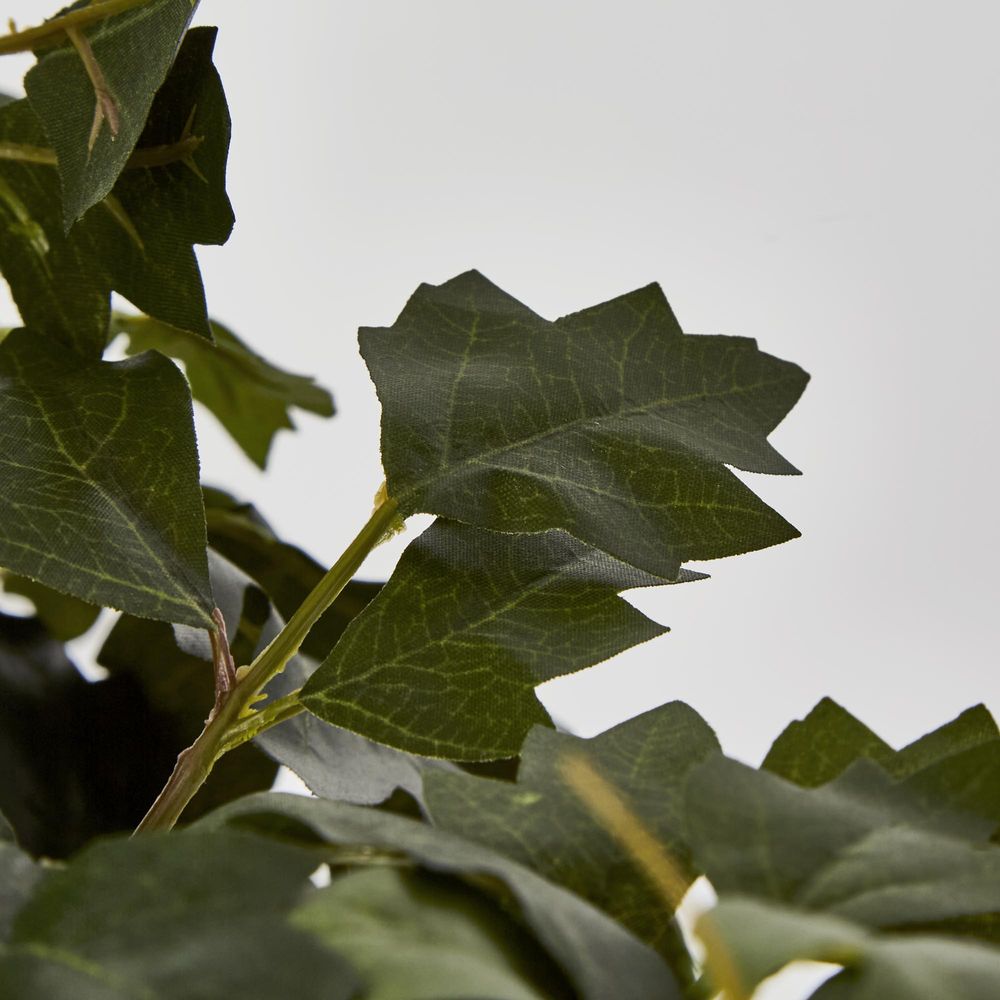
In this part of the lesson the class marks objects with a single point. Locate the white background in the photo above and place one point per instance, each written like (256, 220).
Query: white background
(821, 177)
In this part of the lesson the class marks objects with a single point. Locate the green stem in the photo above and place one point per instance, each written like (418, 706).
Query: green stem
(232, 721)
(51, 31)
(270, 715)
(147, 156)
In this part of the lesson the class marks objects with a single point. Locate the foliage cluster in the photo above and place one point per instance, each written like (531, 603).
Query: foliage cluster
(473, 849)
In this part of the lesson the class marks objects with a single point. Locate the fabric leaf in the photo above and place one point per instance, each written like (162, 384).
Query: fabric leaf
(138, 240)
(541, 822)
(598, 956)
(470, 623)
(610, 423)
(128, 56)
(99, 492)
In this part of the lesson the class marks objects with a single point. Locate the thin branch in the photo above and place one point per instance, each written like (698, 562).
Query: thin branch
(52, 31)
(147, 156)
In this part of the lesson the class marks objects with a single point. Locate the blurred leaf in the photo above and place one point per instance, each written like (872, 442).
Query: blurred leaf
(133, 52)
(176, 917)
(100, 494)
(18, 877)
(610, 423)
(540, 822)
(470, 623)
(599, 957)
(139, 240)
(751, 940)
(250, 396)
(414, 936)
(63, 616)
(76, 759)
(178, 690)
(862, 846)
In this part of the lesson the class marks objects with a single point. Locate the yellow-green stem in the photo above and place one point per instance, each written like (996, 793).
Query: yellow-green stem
(54, 30)
(231, 718)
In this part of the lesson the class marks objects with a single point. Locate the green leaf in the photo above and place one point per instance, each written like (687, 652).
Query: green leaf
(955, 767)
(175, 917)
(64, 617)
(285, 573)
(337, 764)
(754, 940)
(540, 821)
(470, 623)
(130, 55)
(18, 877)
(862, 846)
(414, 936)
(250, 396)
(137, 241)
(100, 494)
(599, 957)
(814, 750)
(610, 423)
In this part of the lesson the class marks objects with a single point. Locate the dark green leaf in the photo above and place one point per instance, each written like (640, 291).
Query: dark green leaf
(76, 759)
(182, 917)
(131, 53)
(177, 691)
(137, 241)
(63, 616)
(753, 940)
(610, 423)
(816, 749)
(285, 572)
(540, 822)
(18, 877)
(470, 623)
(414, 936)
(100, 494)
(862, 846)
(250, 396)
(599, 958)
(337, 764)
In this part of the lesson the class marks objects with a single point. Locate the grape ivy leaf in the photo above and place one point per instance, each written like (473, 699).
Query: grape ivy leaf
(598, 956)
(139, 239)
(862, 846)
(108, 925)
(814, 750)
(100, 494)
(470, 623)
(93, 112)
(250, 397)
(540, 821)
(955, 767)
(610, 423)
(417, 936)
(749, 940)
